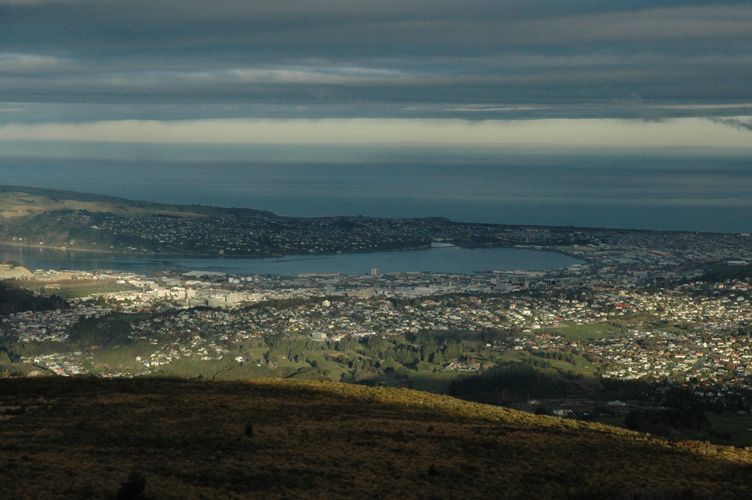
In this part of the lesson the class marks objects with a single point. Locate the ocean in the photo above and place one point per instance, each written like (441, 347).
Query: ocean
(661, 192)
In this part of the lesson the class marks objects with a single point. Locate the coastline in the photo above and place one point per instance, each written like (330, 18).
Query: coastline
(446, 260)
(200, 255)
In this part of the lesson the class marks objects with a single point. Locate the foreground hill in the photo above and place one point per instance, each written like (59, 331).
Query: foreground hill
(89, 438)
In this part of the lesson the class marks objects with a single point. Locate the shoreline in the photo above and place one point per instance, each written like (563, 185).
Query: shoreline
(212, 255)
(354, 263)
(276, 256)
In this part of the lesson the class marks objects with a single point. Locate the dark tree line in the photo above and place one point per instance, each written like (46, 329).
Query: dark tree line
(682, 410)
(510, 382)
(13, 300)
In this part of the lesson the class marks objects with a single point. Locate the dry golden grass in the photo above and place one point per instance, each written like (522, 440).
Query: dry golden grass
(19, 204)
(81, 438)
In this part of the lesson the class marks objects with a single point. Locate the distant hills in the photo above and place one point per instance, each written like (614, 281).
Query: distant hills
(18, 201)
(46, 218)
(67, 220)
(165, 438)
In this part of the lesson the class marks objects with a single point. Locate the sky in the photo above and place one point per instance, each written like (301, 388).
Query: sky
(493, 73)
(633, 113)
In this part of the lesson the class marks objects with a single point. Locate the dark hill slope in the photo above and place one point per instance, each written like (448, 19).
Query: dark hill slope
(273, 439)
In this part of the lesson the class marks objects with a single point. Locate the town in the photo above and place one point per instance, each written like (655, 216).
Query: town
(673, 309)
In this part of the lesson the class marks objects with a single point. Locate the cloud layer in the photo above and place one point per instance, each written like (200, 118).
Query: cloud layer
(684, 132)
(389, 59)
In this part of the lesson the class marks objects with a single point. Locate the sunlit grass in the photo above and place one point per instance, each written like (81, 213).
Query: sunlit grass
(81, 438)
(586, 331)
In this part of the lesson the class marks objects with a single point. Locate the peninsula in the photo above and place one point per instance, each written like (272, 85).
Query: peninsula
(88, 222)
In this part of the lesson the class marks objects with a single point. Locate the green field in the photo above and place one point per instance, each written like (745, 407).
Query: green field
(582, 366)
(586, 331)
(71, 291)
(80, 293)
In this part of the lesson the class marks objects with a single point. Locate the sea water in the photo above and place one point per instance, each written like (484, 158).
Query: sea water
(617, 191)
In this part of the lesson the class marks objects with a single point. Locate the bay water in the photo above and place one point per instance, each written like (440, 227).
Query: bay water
(436, 260)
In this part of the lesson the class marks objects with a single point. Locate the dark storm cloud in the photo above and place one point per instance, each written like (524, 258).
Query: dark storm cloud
(735, 123)
(425, 57)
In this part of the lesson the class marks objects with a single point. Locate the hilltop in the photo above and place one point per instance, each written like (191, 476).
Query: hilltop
(84, 438)
(21, 201)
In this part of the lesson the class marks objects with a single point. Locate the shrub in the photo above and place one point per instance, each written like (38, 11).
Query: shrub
(133, 487)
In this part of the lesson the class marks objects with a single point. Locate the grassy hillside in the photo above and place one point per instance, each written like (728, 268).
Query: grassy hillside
(84, 438)
(78, 221)
(17, 201)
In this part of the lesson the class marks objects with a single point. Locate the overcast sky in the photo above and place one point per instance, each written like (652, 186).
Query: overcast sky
(495, 72)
